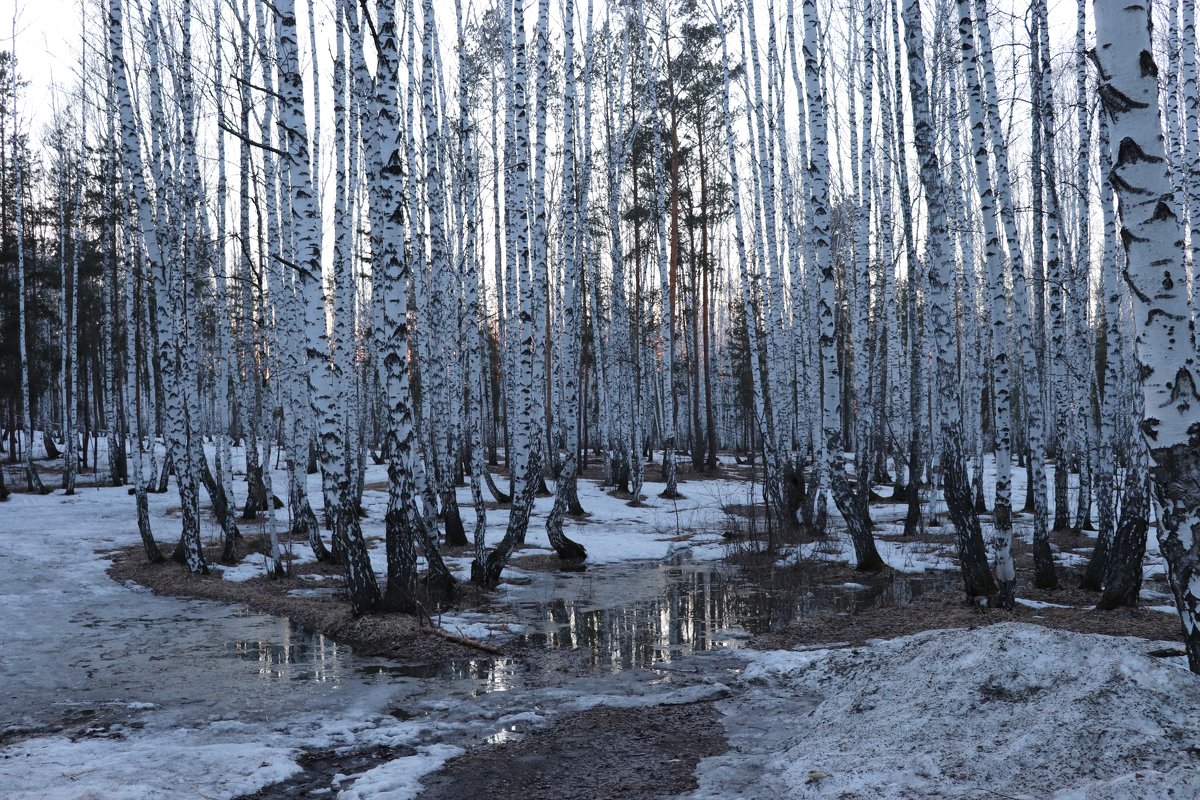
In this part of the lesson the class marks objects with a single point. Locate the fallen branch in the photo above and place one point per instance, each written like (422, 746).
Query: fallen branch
(463, 640)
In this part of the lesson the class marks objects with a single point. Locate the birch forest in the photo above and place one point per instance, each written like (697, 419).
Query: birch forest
(409, 301)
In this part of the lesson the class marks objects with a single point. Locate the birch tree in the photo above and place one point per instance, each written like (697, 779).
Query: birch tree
(306, 226)
(997, 290)
(977, 577)
(1151, 234)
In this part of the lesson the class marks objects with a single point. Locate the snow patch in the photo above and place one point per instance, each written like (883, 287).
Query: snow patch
(944, 714)
(1040, 603)
(400, 778)
(52, 768)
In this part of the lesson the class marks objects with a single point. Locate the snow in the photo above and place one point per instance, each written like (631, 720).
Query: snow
(642, 697)
(53, 768)
(1005, 710)
(615, 532)
(257, 565)
(475, 625)
(400, 778)
(1039, 603)
(1163, 609)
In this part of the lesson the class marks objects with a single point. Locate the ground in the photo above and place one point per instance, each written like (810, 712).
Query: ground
(617, 753)
(685, 661)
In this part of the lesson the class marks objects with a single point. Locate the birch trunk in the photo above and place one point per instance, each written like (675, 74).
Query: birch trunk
(305, 220)
(1151, 233)
(572, 240)
(977, 578)
(1002, 558)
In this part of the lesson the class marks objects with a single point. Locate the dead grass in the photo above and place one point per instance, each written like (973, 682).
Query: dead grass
(545, 562)
(948, 609)
(923, 538)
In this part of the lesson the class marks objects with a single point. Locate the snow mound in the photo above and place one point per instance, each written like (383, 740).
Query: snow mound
(1010, 710)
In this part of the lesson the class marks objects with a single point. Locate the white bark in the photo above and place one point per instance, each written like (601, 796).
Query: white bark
(306, 227)
(1152, 235)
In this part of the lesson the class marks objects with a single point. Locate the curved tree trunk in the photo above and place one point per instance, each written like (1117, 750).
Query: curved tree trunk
(1123, 573)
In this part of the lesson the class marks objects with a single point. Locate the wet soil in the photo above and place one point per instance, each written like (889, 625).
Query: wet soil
(947, 608)
(613, 753)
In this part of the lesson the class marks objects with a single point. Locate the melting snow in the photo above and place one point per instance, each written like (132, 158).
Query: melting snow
(1005, 710)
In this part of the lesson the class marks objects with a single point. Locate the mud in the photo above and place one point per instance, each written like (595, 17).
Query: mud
(947, 608)
(612, 753)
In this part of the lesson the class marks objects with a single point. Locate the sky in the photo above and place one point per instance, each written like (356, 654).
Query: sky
(48, 37)
(47, 44)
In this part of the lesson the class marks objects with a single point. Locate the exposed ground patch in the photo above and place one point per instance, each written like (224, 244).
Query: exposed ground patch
(612, 753)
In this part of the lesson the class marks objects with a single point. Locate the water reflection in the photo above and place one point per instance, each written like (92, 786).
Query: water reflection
(620, 617)
(626, 617)
(298, 656)
(492, 674)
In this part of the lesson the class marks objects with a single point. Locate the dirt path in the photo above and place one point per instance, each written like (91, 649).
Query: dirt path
(611, 753)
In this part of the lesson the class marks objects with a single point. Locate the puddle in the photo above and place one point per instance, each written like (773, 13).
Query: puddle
(640, 615)
(613, 618)
(615, 629)
(297, 656)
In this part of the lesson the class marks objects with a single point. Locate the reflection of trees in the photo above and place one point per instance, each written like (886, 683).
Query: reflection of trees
(693, 603)
(299, 655)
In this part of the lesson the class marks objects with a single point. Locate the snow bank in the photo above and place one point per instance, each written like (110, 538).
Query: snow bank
(174, 764)
(1006, 710)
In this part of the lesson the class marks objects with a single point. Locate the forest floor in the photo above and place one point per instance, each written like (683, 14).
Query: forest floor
(632, 753)
(685, 660)
(421, 640)
(292, 595)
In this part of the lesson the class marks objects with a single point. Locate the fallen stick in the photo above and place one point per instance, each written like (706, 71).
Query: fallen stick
(463, 640)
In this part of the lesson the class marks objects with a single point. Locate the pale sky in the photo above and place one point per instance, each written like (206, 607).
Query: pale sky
(47, 44)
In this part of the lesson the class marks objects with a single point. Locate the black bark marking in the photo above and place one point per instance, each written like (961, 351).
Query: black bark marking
(1184, 387)
(1153, 313)
(1130, 152)
(1117, 102)
(1146, 65)
(1128, 280)
(1122, 186)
